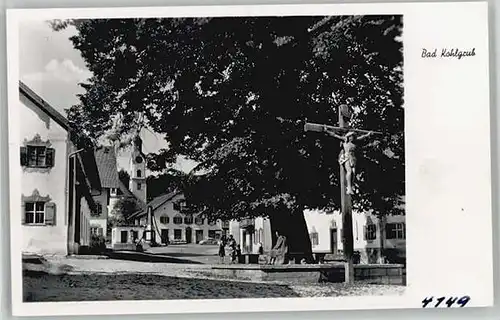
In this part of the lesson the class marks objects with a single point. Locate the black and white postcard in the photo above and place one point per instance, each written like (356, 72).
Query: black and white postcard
(214, 159)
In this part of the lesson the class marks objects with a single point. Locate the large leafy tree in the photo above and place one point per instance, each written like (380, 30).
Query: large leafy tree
(233, 93)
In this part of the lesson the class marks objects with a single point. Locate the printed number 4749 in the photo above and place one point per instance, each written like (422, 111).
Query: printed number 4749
(428, 302)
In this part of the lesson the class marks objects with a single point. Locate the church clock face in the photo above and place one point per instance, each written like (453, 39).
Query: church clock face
(138, 159)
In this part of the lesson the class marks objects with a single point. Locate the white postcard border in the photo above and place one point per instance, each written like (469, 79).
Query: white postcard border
(441, 204)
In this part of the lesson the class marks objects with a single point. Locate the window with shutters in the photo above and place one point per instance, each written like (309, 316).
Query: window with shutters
(164, 219)
(37, 153)
(96, 230)
(37, 157)
(188, 220)
(395, 231)
(34, 212)
(178, 219)
(38, 210)
(371, 232)
(98, 210)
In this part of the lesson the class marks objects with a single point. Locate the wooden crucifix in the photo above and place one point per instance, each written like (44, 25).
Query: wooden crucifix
(347, 163)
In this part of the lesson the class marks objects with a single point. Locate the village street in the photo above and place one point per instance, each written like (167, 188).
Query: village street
(96, 278)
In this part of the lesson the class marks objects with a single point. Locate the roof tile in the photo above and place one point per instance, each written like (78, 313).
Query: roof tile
(106, 165)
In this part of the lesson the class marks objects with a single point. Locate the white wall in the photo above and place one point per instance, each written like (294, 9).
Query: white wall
(234, 230)
(265, 225)
(45, 239)
(85, 223)
(116, 234)
(167, 209)
(322, 222)
(112, 201)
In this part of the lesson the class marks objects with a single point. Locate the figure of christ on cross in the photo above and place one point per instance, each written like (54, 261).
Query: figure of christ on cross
(347, 156)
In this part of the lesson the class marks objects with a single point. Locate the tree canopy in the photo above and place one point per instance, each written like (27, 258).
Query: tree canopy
(233, 94)
(122, 209)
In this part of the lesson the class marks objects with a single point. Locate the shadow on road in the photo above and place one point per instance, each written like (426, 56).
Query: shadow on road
(39, 287)
(187, 254)
(147, 257)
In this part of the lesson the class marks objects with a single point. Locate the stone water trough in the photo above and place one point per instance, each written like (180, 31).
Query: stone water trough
(313, 273)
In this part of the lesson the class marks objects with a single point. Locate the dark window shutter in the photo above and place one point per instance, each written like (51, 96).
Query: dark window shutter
(50, 213)
(24, 156)
(49, 157)
(23, 213)
(365, 233)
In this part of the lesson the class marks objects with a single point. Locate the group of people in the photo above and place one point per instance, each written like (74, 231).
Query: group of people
(234, 249)
(276, 256)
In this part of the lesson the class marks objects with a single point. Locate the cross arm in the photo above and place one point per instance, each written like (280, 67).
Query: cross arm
(323, 127)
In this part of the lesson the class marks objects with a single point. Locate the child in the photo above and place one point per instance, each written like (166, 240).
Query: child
(222, 251)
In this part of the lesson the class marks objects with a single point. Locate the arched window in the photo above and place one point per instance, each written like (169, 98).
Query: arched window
(188, 219)
(139, 173)
(164, 219)
(178, 219)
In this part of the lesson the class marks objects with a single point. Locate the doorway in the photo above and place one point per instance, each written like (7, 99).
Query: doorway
(333, 241)
(164, 236)
(124, 236)
(189, 235)
(199, 235)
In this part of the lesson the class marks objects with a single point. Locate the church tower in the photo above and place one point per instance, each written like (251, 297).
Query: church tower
(138, 171)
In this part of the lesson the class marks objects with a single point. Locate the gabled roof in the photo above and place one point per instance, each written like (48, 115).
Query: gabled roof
(155, 203)
(85, 156)
(106, 165)
(43, 105)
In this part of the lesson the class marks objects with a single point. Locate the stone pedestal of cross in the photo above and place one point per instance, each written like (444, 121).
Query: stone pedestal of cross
(345, 195)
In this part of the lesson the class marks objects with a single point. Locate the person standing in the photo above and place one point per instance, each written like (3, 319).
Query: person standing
(222, 251)
(238, 253)
(232, 248)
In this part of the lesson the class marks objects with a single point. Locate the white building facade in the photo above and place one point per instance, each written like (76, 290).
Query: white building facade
(57, 182)
(172, 221)
(370, 234)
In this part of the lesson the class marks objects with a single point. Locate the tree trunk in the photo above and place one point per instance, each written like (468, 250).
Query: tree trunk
(382, 222)
(293, 226)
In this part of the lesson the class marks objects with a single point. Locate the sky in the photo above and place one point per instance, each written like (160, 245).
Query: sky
(52, 68)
